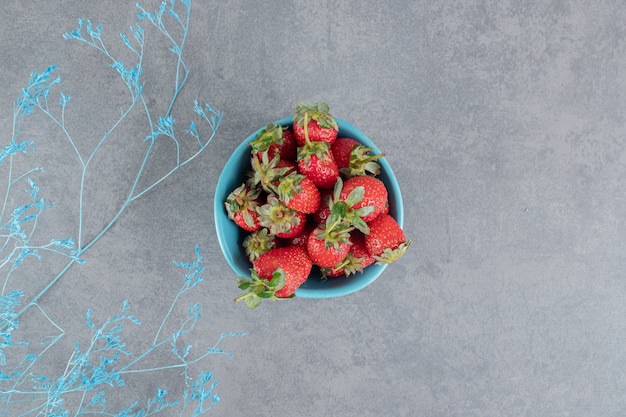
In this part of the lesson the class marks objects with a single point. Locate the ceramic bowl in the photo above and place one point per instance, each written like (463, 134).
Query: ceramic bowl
(230, 236)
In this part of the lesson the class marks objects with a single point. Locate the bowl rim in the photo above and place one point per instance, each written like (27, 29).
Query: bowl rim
(336, 288)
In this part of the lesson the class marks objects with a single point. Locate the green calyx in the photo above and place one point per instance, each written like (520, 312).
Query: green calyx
(257, 243)
(265, 172)
(343, 211)
(334, 237)
(242, 200)
(276, 216)
(391, 255)
(335, 232)
(350, 265)
(259, 289)
(317, 148)
(272, 133)
(320, 112)
(362, 162)
(289, 186)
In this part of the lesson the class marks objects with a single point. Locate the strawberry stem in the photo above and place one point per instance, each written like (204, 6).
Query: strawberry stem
(244, 296)
(306, 127)
(259, 289)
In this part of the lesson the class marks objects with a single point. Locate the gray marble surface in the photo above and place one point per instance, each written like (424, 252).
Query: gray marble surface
(505, 123)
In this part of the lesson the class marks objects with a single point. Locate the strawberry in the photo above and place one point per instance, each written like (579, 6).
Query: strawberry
(289, 164)
(241, 205)
(323, 212)
(386, 241)
(299, 193)
(375, 195)
(267, 172)
(314, 122)
(323, 255)
(268, 136)
(287, 150)
(275, 140)
(282, 221)
(348, 208)
(292, 259)
(359, 256)
(353, 158)
(259, 242)
(357, 259)
(342, 149)
(329, 244)
(300, 239)
(276, 274)
(315, 160)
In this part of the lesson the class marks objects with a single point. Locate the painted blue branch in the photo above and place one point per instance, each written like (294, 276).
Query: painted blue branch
(106, 360)
(99, 364)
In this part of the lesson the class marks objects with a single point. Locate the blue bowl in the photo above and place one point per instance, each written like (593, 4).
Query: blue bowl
(230, 236)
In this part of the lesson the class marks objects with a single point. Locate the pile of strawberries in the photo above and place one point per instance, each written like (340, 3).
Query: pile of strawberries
(310, 200)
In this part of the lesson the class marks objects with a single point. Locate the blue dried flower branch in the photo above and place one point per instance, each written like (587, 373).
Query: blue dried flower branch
(156, 19)
(105, 360)
(36, 96)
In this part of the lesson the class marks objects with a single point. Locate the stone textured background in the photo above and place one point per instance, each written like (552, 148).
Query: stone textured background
(505, 123)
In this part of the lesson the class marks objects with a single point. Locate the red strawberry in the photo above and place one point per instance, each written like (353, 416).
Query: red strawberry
(241, 205)
(341, 149)
(357, 259)
(314, 122)
(289, 147)
(299, 193)
(315, 160)
(353, 158)
(276, 274)
(293, 260)
(347, 210)
(328, 245)
(275, 140)
(374, 195)
(359, 255)
(282, 221)
(386, 241)
(302, 238)
(269, 135)
(323, 212)
(290, 165)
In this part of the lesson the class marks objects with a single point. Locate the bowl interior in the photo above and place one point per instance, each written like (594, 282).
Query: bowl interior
(230, 236)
